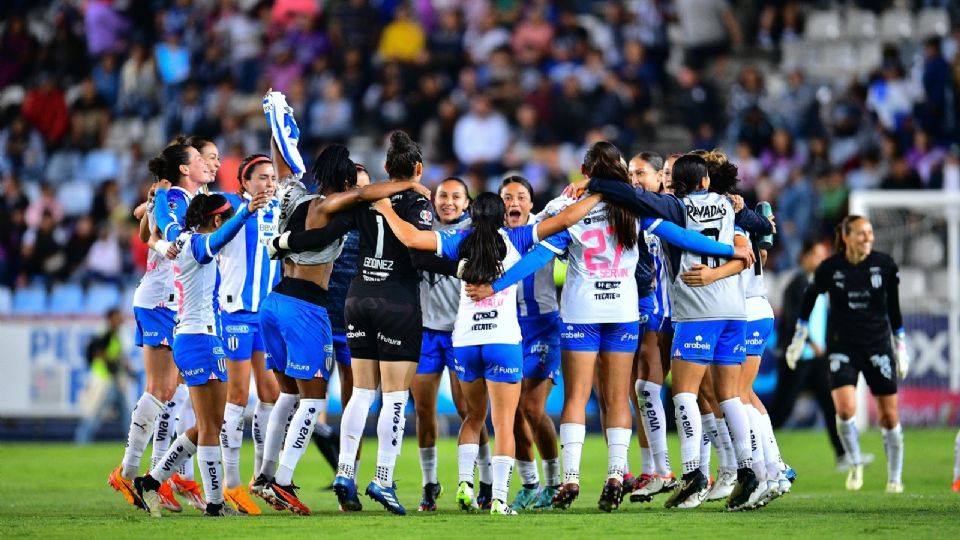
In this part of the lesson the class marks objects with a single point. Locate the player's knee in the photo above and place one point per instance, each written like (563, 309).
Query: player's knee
(889, 419)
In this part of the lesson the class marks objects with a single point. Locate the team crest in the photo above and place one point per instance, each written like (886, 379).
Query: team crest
(876, 280)
(233, 343)
(426, 215)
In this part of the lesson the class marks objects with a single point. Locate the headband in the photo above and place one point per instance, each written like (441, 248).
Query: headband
(254, 161)
(226, 206)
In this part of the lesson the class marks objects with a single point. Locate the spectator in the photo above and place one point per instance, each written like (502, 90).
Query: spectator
(47, 203)
(105, 260)
(890, 97)
(531, 38)
(488, 37)
(833, 192)
(21, 150)
(46, 109)
(403, 39)
(869, 174)
(480, 137)
(77, 247)
(107, 379)
(698, 101)
(243, 38)
(924, 156)
(13, 204)
(781, 158)
(282, 70)
(173, 61)
(795, 206)
(938, 109)
(103, 27)
(17, 52)
(106, 79)
(947, 175)
(749, 168)
(707, 28)
(138, 84)
(437, 136)
(65, 56)
(307, 40)
(445, 44)
(90, 118)
(795, 109)
(43, 250)
(190, 115)
(331, 118)
(901, 176)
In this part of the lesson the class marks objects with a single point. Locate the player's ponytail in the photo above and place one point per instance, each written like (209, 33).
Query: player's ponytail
(723, 173)
(687, 172)
(484, 248)
(166, 166)
(333, 171)
(204, 207)
(843, 229)
(402, 156)
(603, 160)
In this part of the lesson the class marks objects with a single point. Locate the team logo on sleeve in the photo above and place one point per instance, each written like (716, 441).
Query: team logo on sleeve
(426, 216)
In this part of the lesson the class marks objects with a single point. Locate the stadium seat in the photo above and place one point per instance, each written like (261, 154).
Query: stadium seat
(99, 165)
(860, 24)
(102, 297)
(62, 167)
(823, 26)
(913, 282)
(896, 25)
(66, 299)
(933, 22)
(6, 301)
(76, 197)
(869, 56)
(30, 300)
(126, 301)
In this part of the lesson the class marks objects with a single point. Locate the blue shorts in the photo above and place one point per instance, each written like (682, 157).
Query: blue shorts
(436, 352)
(600, 337)
(757, 334)
(499, 362)
(297, 337)
(241, 334)
(199, 357)
(154, 326)
(341, 352)
(649, 321)
(710, 342)
(541, 346)
(666, 327)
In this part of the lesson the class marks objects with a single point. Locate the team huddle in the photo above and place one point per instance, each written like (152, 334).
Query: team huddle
(388, 284)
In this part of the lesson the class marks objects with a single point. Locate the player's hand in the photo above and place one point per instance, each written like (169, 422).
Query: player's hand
(900, 351)
(575, 189)
(478, 291)
(423, 190)
(700, 275)
(160, 184)
(260, 200)
(278, 245)
(773, 222)
(745, 254)
(736, 201)
(557, 205)
(795, 349)
(381, 205)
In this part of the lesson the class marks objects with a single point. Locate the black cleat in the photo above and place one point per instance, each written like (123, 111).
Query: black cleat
(611, 495)
(746, 484)
(485, 496)
(565, 496)
(431, 492)
(688, 491)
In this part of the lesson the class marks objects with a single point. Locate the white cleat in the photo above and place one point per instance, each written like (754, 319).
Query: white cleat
(772, 492)
(500, 508)
(785, 484)
(723, 487)
(695, 500)
(894, 487)
(855, 478)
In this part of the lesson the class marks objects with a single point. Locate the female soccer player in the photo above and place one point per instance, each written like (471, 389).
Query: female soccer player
(248, 275)
(154, 302)
(863, 287)
(486, 335)
(198, 350)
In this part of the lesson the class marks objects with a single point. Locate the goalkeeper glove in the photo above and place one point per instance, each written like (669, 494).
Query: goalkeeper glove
(278, 245)
(797, 344)
(900, 351)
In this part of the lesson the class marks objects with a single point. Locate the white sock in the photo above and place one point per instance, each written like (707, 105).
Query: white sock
(689, 428)
(171, 462)
(646, 461)
(138, 435)
(484, 464)
(551, 472)
(428, 465)
(466, 461)
(956, 457)
(571, 447)
(298, 438)
(231, 439)
(280, 418)
(893, 447)
(850, 438)
(653, 418)
(728, 458)
(502, 471)
(165, 426)
(261, 418)
(211, 470)
(618, 440)
(390, 428)
(351, 429)
(186, 420)
(739, 427)
(528, 473)
(771, 450)
(708, 424)
(756, 443)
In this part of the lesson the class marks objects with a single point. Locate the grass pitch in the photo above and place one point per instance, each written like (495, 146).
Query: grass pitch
(58, 490)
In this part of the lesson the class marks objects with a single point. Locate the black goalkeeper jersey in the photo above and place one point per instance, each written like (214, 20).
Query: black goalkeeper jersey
(864, 301)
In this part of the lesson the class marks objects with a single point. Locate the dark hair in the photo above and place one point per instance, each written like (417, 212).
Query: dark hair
(603, 160)
(484, 249)
(809, 244)
(687, 171)
(402, 156)
(334, 171)
(654, 159)
(460, 181)
(245, 172)
(204, 207)
(199, 142)
(517, 179)
(166, 166)
(844, 228)
(723, 176)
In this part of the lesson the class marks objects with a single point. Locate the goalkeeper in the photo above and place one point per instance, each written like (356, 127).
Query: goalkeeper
(864, 305)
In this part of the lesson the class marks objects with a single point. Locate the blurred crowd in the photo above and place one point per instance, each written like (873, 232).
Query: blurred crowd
(91, 89)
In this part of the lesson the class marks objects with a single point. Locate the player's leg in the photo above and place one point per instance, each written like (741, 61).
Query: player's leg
(238, 346)
(484, 462)
(424, 390)
(474, 389)
(844, 372)
(616, 364)
(533, 402)
(708, 424)
(503, 373)
(526, 461)
(396, 376)
(268, 391)
(881, 378)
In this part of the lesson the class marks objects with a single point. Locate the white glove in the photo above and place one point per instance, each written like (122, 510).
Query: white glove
(900, 352)
(278, 244)
(797, 344)
(557, 205)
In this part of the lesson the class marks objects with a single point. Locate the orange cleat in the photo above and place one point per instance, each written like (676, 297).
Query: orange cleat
(189, 490)
(167, 500)
(125, 487)
(241, 502)
(956, 485)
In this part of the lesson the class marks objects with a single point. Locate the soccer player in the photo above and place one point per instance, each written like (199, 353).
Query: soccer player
(209, 225)
(863, 287)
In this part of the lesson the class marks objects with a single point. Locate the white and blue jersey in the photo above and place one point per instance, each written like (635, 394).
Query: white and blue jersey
(655, 306)
(247, 277)
(197, 348)
(155, 300)
(759, 312)
(439, 299)
(539, 315)
(170, 211)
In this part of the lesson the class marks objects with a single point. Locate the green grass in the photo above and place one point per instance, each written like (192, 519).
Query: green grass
(56, 490)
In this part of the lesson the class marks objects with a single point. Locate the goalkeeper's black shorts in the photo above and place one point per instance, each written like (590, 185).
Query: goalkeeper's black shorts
(879, 368)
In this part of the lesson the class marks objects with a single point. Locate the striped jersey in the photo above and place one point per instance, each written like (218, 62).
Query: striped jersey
(247, 273)
(156, 286)
(537, 294)
(661, 287)
(440, 294)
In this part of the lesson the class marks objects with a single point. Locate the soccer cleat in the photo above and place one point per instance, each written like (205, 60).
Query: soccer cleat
(500, 508)
(431, 492)
(147, 489)
(387, 496)
(894, 487)
(124, 487)
(167, 500)
(241, 502)
(485, 496)
(629, 483)
(565, 496)
(843, 462)
(652, 484)
(219, 510)
(689, 492)
(611, 495)
(723, 487)
(770, 492)
(525, 498)
(789, 473)
(855, 477)
(745, 493)
(465, 498)
(256, 486)
(285, 498)
(545, 498)
(346, 490)
(189, 490)
(956, 486)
